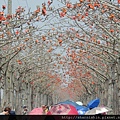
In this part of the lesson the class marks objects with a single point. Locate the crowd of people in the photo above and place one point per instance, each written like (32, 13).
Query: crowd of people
(25, 111)
(45, 109)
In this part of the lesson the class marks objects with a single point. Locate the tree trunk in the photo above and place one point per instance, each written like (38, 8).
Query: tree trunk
(29, 92)
(32, 97)
(5, 93)
(111, 88)
(118, 87)
(0, 98)
(17, 101)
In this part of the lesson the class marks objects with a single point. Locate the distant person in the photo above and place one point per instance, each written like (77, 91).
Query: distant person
(45, 109)
(6, 111)
(12, 112)
(25, 111)
(12, 115)
(50, 107)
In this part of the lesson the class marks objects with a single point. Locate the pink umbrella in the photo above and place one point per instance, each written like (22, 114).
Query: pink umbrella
(36, 111)
(63, 109)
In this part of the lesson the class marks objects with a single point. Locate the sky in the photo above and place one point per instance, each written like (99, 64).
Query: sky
(26, 3)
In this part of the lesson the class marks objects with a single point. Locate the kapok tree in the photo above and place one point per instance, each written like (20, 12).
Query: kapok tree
(23, 55)
(89, 32)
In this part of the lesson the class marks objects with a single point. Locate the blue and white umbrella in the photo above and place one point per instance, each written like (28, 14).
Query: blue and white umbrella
(70, 103)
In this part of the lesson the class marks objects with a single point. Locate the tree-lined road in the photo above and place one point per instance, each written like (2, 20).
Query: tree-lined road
(71, 51)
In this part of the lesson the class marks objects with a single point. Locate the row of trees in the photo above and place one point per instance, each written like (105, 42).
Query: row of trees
(74, 49)
(94, 55)
(25, 63)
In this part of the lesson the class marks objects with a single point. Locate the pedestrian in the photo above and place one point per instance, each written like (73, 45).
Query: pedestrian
(6, 111)
(12, 115)
(25, 111)
(45, 110)
(12, 112)
(50, 107)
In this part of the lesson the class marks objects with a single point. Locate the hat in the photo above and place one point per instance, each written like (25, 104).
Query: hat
(24, 106)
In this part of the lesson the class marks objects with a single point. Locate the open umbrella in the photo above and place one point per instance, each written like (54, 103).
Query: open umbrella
(70, 103)
(93, 103)
(63, 109)
(36, 111)
(98, 110)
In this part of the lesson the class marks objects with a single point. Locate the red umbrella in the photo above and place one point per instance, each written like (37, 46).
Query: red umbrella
(63, 109)
(36, 111)
(34, 114)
